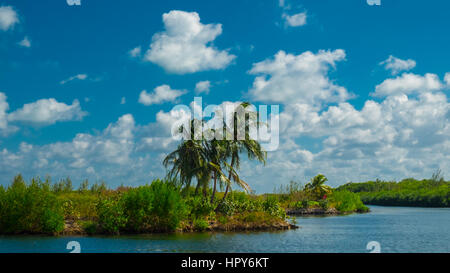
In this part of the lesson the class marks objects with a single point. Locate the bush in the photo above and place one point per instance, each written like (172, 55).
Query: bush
(345, 201)
(271, 206)
(138, 204)
(200, 224)
(155, 207)
(30, 208)
(90, 227)
(198, 206)
(111, 216)
(168, 207)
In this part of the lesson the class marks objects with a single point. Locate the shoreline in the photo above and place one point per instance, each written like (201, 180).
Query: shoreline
(72, 228)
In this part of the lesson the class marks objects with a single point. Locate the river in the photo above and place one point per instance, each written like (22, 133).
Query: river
(394, 229)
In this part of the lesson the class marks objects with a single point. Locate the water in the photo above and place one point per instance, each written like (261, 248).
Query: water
(397, 229)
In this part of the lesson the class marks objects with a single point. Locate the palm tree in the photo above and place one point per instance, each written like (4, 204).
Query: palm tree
(188, 161)
(235, 146)
(207, 159)
(317, 187)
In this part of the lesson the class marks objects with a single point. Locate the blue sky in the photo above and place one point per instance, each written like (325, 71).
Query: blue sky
(71, 75)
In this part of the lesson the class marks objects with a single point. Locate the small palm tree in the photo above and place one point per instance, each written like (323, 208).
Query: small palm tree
(317, 188)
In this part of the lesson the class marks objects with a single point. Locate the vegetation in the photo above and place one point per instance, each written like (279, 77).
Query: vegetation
(189, 198)
(40, 207)
(315, 196)
(433, 192)
(32, 208)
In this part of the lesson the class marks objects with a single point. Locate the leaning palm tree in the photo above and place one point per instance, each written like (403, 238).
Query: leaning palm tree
(207, 159)
(188, 160)
(317, 187)
(247, 145)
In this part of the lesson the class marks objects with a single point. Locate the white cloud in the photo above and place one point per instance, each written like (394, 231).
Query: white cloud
(447, 78)
(396, 65)
(161, 94)
(5, 127)
(80, 77)
(397, 138)
(408, 83)
(202, 87)
(25, 42)
(303, 78)
(295, 20)
(123, 100)
(135, 52)
(185, 45)
(8, 18)
(47, 112)
(4, 107)
(122, 152)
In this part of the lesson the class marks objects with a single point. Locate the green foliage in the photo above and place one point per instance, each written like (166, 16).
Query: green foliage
(155, 207)
(158, 207)
(316, 188)
(90, 227)
(345, 201)
(200, 224)
(111, 215)
(30, 208)
(199, 206)
(138, 204)
(167, 207)
(273, 207)
(408, 192)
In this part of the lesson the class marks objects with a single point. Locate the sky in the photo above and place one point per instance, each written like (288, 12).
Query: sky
(88, 90)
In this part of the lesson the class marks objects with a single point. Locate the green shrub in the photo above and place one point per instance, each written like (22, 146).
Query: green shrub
(111, 216)
(199, 206)
(90, 227)
(200, 224)
(168, 207)
(345, 201)
(138, 205)
(30, 208)
(272, 206)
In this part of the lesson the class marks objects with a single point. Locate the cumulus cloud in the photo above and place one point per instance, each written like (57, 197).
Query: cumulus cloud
(8, 18)
(295, 20)
(396, 138)
(25, 42)
(186, 45)
(80, 77)
(5, 127)
(135, 52)
(202, 87)
(47, 112)
(447, 78)
(303, 78)
(122, 152)
(408, 83)
(161, 94)
(396, 65)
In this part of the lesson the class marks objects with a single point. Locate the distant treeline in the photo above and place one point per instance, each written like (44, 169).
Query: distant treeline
(408, 192)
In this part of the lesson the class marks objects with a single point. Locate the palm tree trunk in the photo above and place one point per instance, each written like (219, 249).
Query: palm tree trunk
(228, 185)
(197, 188)
(214, 188)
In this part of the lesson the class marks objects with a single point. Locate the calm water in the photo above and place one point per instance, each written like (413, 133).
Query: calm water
(396, 229)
